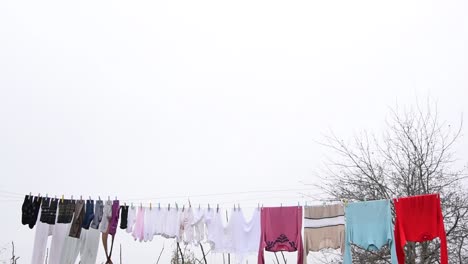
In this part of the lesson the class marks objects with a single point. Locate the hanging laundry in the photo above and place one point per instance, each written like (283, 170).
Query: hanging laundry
(186, 231)
(98, 213)
(48, 211)
(217, 233)
(245, 234)
(123, 217)
(56, 246)
(138, 230)
(198, 225)
(30, 210)
(71, 248)
(281, 229)
(171, 226)
(89, 214)
(131, 219)
(160, 224)
(369, 226)
(112, 229)
(106, 216)
(150, 224)
(89, 246)
(419, 219)
(78, 216)
(43, 231)
(114, 221)
(66, 210)
(324, 227)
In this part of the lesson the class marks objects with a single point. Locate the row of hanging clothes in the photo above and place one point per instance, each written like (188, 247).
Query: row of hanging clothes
(76, 225)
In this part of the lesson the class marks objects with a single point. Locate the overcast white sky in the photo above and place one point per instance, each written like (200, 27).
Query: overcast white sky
(181, 98)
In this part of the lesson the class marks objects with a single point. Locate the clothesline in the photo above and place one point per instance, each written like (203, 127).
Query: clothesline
(367, 224)
(313, 198)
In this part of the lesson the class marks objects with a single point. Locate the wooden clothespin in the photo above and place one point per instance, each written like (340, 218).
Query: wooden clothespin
(90, 198)
(151, 206)
(30, 194)
(63, 198)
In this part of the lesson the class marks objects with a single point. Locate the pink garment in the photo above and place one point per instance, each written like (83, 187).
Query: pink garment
(138, 230)
(281, 231)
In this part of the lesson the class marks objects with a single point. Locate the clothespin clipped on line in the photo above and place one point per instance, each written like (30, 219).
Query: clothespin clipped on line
(141, 205)
(63, 198)
(81, 198)
(183, 207)
(151, 206)
(159, 206)
(208, 207)
(238, 207)
(177, 206)
(90, 198)
(189, 203)
(108, 198)
(217, 208)
(169, 206)
(30, 194)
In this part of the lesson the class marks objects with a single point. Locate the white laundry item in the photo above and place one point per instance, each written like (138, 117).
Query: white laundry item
(150, 224)
(58, 237)
(131, 218)
(138, 229)
(186, 233)
(70, 249)
(245, 234)
(43, 231)
(171, 226)
(198, 225)
(160, 221)
(89, 246)
(218, 234)
(106, 216)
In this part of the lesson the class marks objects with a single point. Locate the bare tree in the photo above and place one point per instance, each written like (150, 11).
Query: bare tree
(14, 258)
(413, 156)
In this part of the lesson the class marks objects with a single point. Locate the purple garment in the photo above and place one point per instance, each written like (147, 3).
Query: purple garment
(114, 218)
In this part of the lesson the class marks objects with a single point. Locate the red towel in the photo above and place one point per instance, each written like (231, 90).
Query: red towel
(418, 219)
(281, 231)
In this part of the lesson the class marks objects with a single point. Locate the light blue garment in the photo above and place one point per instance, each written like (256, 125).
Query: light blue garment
(369, 226)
